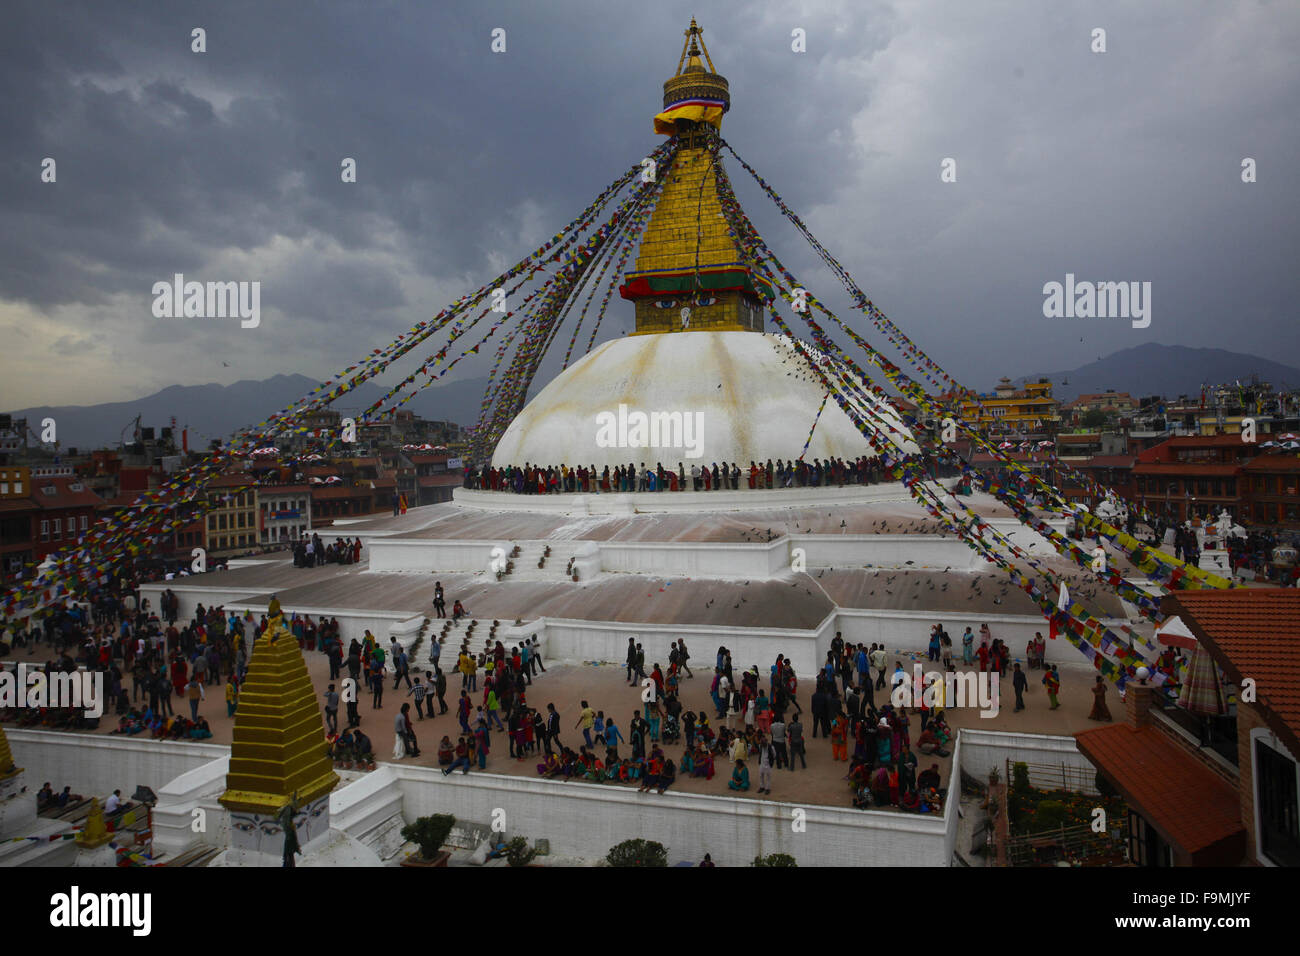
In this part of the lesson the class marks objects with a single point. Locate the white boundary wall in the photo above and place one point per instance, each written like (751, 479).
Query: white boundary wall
(100, 764)
(576, 641)
(985, 750)
(585, 820)
(581, 820)
(679, 502)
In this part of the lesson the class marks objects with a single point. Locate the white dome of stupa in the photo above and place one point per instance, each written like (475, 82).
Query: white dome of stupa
(692, 397)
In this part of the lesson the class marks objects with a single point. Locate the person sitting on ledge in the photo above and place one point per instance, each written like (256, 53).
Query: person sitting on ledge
(688, 762)
(929, 779)
(362, 748)
(44, 796)
(462, 759)
(550, 767)
(445, 752)
(654, 767)
(880, 787)
(739, 777)
(910, 802)
(457, 610)
(667, 775)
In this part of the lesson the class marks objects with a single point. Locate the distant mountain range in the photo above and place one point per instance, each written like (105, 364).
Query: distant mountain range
(217, 411)
(1169, 370)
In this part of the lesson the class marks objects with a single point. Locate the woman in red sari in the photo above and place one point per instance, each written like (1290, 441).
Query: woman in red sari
(180, 676)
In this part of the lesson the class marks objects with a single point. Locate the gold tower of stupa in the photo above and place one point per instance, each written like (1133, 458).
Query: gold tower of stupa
(688, 274)
(278, 751)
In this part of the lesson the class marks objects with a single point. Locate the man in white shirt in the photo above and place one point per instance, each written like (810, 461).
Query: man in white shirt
(112, 804)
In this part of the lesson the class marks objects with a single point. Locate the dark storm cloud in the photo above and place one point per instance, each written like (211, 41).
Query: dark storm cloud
(225, 165)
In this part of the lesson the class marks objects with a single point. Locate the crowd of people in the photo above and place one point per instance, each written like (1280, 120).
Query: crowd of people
(728, 476)
(311, 551)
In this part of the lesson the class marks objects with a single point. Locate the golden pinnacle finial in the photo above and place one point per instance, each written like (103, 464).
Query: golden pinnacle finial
(694, 47)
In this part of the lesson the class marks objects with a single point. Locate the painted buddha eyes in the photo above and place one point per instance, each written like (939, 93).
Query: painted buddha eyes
(674, 303)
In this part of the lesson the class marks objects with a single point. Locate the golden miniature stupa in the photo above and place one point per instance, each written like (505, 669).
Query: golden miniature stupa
(278, 751)
(7, 767)
(95, 832)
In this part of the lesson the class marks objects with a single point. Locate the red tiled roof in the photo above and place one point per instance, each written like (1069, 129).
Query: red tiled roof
(1252, 632)
(341, 491)
(64, 495)
(1189, 469)
(232, 480)
(1287, 462)
(1110, 461)
(17, 504)
(1192, 807)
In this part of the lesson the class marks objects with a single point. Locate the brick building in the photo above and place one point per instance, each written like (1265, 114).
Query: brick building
(1215, 791)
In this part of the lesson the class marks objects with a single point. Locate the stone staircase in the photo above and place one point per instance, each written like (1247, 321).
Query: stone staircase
(540, 561)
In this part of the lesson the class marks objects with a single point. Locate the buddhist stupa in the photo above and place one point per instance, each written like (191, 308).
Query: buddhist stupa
(278, 753)
(700, 349)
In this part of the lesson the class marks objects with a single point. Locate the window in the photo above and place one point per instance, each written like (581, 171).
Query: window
(45, 530)
(1145, 847)
(58, 529)
(221, 522)
(84, 524)
(212, 522)
(1275, 797)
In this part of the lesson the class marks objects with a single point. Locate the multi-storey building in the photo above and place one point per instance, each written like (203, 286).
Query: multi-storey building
(232, 520)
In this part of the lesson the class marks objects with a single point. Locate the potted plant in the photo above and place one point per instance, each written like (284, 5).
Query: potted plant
(519, 853)
(429, 834)
(637, 853)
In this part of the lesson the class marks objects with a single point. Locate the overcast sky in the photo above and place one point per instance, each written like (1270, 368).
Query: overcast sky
(224, 165)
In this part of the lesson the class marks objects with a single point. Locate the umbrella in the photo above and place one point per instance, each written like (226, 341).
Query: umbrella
(1174, 633)
(1005, 445)
(1046, 444)
(1292, 445)
(316, 481)
(1202, 692)
(1289, 436)
(333, 480)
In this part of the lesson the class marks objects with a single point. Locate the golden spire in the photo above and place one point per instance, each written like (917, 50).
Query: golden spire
(279, 747)
(692, 47)
(7, 768)
(689, 274)
(95, 832)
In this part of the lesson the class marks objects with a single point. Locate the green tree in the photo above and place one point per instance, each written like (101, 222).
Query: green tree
(637, 853)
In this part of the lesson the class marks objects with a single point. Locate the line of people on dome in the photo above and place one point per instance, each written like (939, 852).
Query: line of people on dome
(558, 479)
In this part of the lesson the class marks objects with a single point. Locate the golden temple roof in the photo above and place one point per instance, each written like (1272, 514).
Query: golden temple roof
(279, 748)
